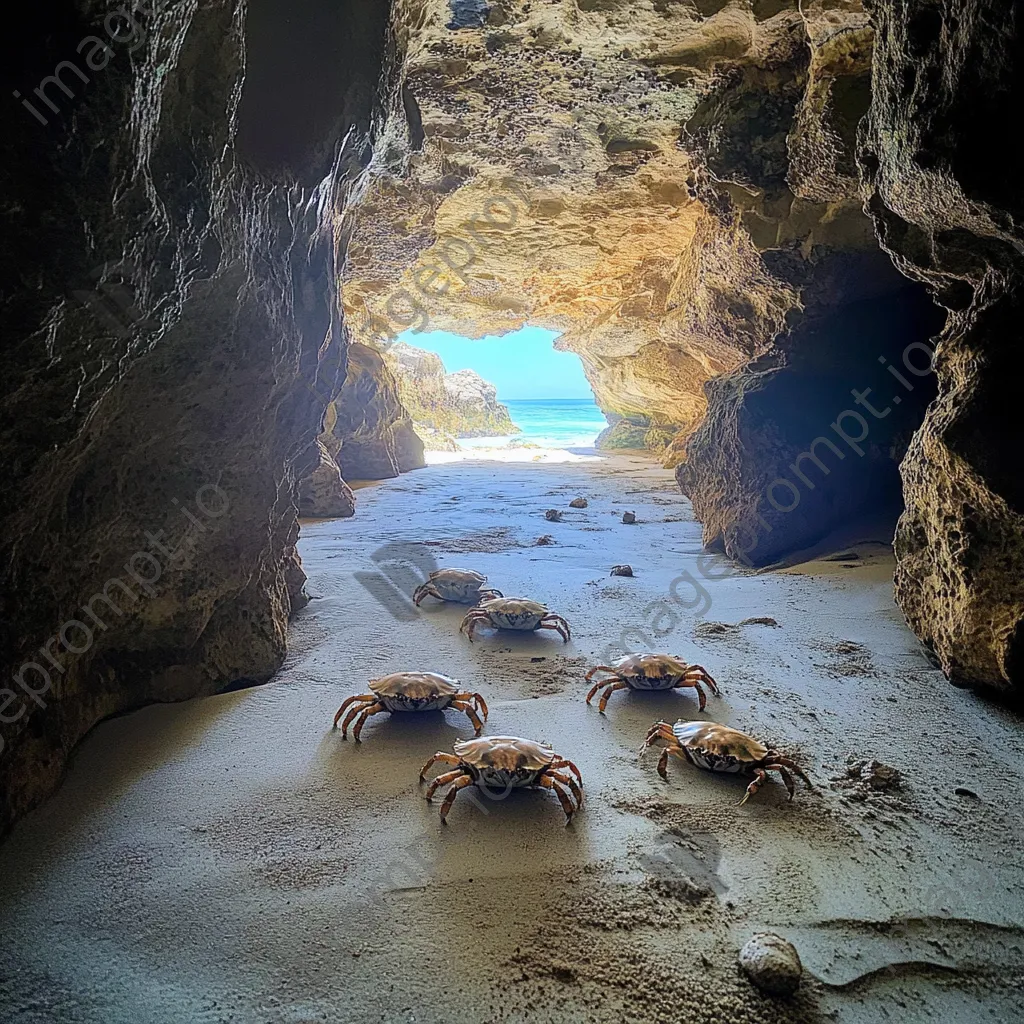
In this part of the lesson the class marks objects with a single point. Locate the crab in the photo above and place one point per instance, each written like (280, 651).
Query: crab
(514, 613)
(463, 586)
(651, 672)
(717, 748)
(503, 763)
(411, 691)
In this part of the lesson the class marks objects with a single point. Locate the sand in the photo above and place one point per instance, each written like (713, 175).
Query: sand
(232, 859)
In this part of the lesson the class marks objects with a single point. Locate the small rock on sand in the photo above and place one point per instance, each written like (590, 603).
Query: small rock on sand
(629, 517)
(578, 503)
(622, 570)
(544, 539)
(772, 964)
(553, 514)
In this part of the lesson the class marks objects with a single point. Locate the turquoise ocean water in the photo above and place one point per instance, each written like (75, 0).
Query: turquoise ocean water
(550, 423)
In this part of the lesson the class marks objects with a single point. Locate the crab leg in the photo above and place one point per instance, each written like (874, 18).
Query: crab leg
(368, 697)
(786, 778)
(568, 780)
(603, 702)
(361, 720)
(442, 779)
(357, 710)
(466, 780)
(481, 704)
(754, 786)
(701, 673)
(564, 762)
(601, 682)
(601, 668)
(439, 756)
(677, 750)
(489, 595)
(425, 590)
(470, 712)
(473, 619)
(552, 621)
(658, 731)
(563, 798)
(789, 763)
(702, 697)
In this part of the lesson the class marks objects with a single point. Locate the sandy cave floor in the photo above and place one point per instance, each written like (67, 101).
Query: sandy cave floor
(233, 859)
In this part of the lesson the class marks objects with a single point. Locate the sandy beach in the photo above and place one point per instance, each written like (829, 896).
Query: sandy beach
(232, 859)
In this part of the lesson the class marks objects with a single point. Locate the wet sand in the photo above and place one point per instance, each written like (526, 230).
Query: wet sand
(232, 859)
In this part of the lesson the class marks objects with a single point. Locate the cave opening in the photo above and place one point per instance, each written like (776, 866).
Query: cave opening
(779, 245)
(495, 397)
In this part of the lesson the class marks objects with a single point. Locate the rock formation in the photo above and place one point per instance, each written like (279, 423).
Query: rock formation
(367, 430)
(674, 187)
(460, 404)
(324, 493)
(171, 332)
(943, 167)
(621, 174)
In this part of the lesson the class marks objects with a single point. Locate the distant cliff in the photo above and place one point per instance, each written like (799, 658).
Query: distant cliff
(460, 404)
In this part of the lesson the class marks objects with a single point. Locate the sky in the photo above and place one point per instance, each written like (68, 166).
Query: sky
(520, 365)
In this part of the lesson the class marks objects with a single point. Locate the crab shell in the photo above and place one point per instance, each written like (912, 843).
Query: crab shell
(717, 748)
(461, 586)
(414, 691)
(514, 613)
(504, 762)
(650, 671)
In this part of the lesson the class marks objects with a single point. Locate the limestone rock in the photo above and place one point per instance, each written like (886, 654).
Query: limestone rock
(772, 964)
(171, 331)
(460, 404)
(944, 191)
(785, 454)
(323, 493)
(368, 425)
(544, 180)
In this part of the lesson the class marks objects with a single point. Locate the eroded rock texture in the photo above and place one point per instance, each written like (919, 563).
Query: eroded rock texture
(656, 182)
(367, 429)
(808, 437)
(169, 268)
(460, 404)
(944, 167)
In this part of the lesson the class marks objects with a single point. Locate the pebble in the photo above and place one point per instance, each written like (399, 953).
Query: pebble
(544, 540)
(622, 570)
(553, 514)
(578, 503)
(629, 517)
(772, 964)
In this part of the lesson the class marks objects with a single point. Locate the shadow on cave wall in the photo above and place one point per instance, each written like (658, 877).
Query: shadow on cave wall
(808, 437)
(169, 316)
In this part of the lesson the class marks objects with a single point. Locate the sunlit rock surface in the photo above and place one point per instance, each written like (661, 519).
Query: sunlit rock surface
(557, 165)
(460, 404)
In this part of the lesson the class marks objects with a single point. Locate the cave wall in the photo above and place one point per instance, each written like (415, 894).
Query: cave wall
(367, 429)
(170, 324)
(943, 164)
(807, 439)
(656, 182)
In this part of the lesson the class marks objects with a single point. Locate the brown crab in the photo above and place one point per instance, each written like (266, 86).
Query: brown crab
(651, 672)
(463, 586)
(506, 762)
(717, 748)
(514, 613)
(411, 691)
